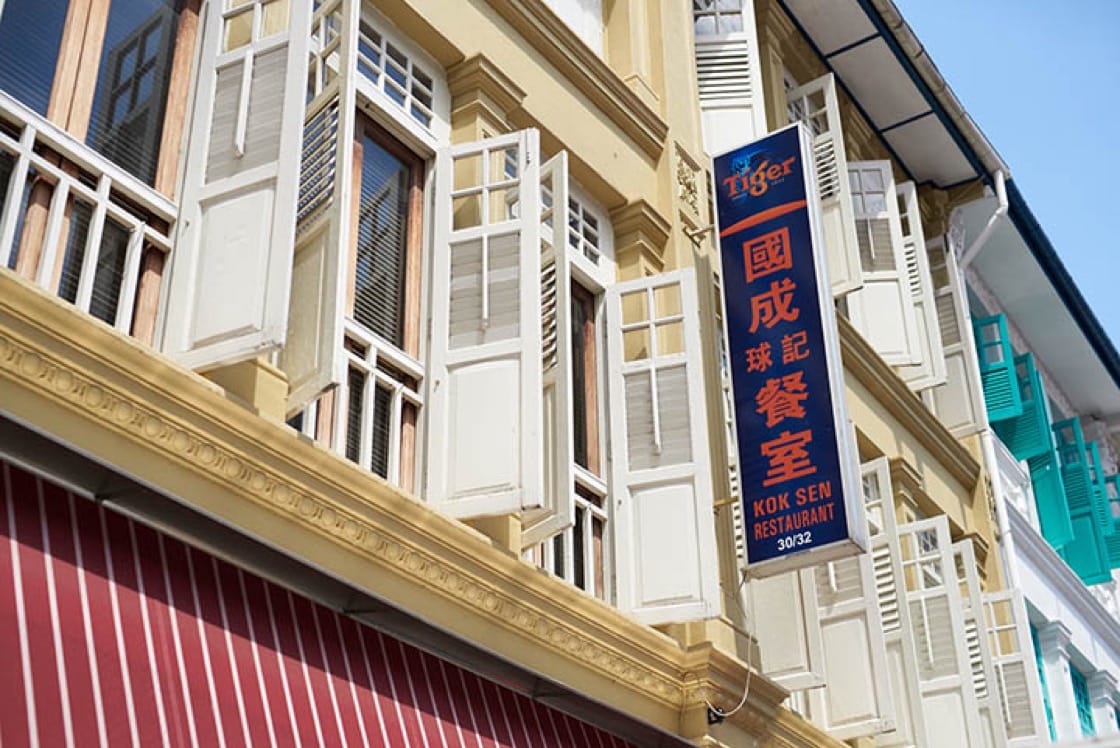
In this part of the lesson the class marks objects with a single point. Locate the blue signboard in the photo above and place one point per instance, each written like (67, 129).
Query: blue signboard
(796, 456)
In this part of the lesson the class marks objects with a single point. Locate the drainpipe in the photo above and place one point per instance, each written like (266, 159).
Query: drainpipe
(1000, 211)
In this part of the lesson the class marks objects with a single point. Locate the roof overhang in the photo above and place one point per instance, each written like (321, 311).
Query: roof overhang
(881, 64)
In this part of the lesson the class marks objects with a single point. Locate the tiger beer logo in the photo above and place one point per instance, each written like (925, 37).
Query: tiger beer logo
(756, 174)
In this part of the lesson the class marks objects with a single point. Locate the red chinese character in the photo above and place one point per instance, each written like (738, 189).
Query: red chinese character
(767, 254)
(794, 347)
(788, 458)
(783, 398)
(771, 307)
(758, 358)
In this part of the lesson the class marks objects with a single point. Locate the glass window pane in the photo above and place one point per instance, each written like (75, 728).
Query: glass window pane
(110, 271)
(128, 106)
(30, 33)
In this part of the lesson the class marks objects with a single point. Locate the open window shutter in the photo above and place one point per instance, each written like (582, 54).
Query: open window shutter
(956, 403)
(930, 370)
(729, 79)
(937, 620)
(882, 310)
(485, 385)
(231, 271)
(786, 625)
(666, 559)
(1016, 676)
(313, 357)
(979, 648)
(1112, 542)
(1028, 434)
(557, 509)
(816, 106)
(1102, 511)
(997, 368)
(902, 658)
(856, 700)
(1050, 498)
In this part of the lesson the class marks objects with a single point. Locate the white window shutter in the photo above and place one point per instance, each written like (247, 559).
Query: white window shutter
(787, 626)
(313, 357)
(937, 620)
(729, 82)
(1016, 676)
(882, 310)
(930, 369)
(557, 510)
(667, 567)
(484, 392)
(815, 105)
(979, 649)
(857, 700)
(958, 403)
(231, 270)
(902, 658)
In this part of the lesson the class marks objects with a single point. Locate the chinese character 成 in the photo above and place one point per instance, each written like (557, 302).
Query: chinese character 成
(782, 398)
(794, 346)
(767, 254)
(771, 307)
(758, 358)
(788, 458)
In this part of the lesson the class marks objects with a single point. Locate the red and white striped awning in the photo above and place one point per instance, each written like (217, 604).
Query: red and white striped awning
(114, 634)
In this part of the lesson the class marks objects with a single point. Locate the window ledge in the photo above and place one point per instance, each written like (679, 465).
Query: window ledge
(559, 45)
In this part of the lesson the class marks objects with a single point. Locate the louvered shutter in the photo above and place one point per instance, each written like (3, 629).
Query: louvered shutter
(816, 106)
(667, 567)
(979, 648)
(1102, 511)
(1112, 542)
(1016, 676)
(882, 310)
(484, 396)
(902, 658)
(1028, 434)
(729, 80)
(313, 357)
(557, 509)
(856, 700)
(997, 368)
(930, 369)
(1050, 498)
(231, 270)
(937, 620)
(956, 403)
(1086, 553)
(786, 626)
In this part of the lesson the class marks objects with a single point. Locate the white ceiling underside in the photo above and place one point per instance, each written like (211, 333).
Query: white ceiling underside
(1008, 268)
(882, 87)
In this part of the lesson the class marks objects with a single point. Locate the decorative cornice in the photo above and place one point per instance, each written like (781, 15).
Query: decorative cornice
(84, 384)
(1054, 637)
(1102, 688)
(561, 47)
(876, 375)
(638, 227)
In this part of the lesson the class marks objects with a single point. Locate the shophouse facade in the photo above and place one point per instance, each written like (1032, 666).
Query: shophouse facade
(362, 380)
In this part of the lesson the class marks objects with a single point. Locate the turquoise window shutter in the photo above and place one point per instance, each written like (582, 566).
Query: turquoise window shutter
(1084, 703)
(1112, 542)
(1050, 498)
(997, 368)
(1086, 554)
(1073, 456)
(1102, 511)
(1028, 434)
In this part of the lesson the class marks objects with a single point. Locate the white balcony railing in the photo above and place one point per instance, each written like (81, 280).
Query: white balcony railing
(73, 221)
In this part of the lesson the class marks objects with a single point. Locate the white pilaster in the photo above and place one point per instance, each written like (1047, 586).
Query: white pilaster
(1102, 692)
(1054, 638)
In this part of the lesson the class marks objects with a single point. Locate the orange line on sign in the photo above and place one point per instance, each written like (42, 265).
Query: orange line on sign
(763, 217)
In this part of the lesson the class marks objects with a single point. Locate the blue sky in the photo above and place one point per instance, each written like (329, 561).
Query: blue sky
(1042, 80)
